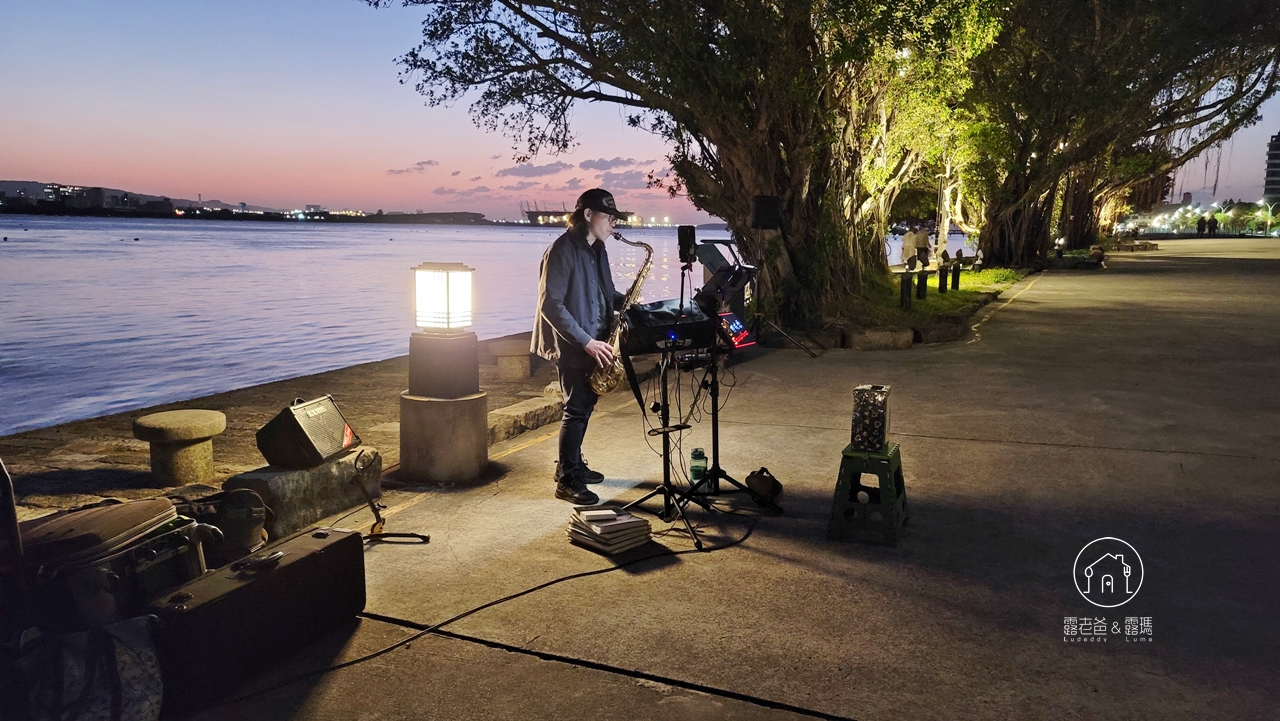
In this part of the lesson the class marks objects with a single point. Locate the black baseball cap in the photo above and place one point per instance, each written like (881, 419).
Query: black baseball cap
(601, 201)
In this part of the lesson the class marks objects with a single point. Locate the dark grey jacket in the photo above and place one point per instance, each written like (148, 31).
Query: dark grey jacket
(576, 300)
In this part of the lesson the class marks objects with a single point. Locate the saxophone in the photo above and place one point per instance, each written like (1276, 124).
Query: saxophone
(605, 379)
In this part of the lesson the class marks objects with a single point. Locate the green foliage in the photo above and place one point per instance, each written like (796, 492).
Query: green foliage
(830, 105)
(990, 277)
(879, 307)
(917, 202)
(1077, 102)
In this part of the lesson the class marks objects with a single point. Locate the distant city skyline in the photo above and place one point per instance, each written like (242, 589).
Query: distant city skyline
(294, 103)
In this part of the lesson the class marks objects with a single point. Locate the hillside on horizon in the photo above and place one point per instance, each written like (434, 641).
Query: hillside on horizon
(34, 190)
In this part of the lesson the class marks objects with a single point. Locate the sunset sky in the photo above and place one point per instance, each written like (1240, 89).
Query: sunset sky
(295, 102)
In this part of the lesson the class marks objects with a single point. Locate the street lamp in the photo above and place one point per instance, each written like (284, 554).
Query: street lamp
(443, 414)
(1270, 211)
(442, 296)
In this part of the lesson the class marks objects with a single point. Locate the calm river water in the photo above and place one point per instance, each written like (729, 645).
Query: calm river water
(102, 315)
(93, 321)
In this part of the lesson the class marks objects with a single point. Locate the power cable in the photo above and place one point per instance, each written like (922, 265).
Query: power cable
(430, 629)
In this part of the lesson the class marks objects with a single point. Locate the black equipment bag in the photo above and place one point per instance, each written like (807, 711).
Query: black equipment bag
(241, 516)
(223, 628)
(15, 603)
(306, 434)
(107, 673)
(103, 563)
(665, 325)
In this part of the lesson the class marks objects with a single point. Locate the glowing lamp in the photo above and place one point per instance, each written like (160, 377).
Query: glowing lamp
(443, 414)
(442, 295)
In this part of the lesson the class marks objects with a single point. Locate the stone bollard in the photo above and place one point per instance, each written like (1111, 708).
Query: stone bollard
(955, 276)
(181, 444)
(904, 290)
(922, 285)
(513, 359)
(944, 270)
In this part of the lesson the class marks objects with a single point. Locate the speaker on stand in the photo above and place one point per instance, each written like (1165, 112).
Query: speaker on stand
(766, 214)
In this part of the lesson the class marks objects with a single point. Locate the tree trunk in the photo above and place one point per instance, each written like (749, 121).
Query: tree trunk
(1078, 221)
(1016, 233)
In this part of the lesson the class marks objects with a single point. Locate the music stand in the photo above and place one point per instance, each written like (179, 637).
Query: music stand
(714, 262)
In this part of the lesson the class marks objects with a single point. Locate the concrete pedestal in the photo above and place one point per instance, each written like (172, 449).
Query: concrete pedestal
(181, 444)
(443, 440)
(513, 359)
(299, 498)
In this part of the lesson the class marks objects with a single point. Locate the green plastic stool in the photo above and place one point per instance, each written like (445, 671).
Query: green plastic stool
(869, 513)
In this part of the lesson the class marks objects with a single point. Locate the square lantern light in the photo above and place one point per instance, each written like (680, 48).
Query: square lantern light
(444, 413)
(442, 295)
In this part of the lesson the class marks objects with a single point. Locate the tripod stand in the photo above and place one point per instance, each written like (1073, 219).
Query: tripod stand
(754, 324)
(673, 503)
(711, 479)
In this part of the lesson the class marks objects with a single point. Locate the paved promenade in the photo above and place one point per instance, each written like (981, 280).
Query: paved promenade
(1136, 402)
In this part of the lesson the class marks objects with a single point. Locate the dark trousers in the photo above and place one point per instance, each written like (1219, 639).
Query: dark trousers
(579, 402)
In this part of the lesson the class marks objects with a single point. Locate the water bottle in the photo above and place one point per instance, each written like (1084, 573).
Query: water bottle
(697, 467)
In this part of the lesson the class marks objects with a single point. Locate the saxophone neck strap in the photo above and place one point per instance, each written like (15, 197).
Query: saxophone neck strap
(633, 382)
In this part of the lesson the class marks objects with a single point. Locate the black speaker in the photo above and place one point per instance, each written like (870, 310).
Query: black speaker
(766, 212)
(306, 434)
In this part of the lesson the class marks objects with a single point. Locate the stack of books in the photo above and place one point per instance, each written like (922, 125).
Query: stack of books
(608, 530)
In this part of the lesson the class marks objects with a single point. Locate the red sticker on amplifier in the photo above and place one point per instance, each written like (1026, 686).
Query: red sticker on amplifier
(348, 436)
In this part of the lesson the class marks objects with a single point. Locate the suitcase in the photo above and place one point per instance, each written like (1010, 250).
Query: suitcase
(96, 565)
(222, 629)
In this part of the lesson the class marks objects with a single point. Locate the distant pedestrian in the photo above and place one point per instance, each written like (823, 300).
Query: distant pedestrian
(1213, 226)
(1200, 226)
(908, 244)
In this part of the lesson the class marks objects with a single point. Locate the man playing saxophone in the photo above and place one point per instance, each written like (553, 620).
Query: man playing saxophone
(576, 302)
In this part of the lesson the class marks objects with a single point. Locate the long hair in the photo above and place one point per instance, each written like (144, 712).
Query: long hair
(578, 221)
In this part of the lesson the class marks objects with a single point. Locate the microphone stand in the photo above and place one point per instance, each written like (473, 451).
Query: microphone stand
(673, 502)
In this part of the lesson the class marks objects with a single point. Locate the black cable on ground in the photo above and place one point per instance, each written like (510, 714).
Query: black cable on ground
(433, 628)
(630, 673)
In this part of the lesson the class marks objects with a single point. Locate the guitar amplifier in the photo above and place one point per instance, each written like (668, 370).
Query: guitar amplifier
(870, 418)
(306, 434)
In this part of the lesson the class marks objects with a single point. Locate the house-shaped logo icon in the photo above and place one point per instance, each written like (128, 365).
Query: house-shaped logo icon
(1108, 572)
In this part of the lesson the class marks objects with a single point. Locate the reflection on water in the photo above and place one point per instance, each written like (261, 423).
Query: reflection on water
(95, 322)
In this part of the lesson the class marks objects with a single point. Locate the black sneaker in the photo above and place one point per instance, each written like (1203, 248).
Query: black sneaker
(586, 475)
(574, 491)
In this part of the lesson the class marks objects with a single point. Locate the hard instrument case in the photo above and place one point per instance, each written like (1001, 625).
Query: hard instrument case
(223, 628)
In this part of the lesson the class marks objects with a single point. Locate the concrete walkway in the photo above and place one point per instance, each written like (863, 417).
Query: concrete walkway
(1137, 402)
